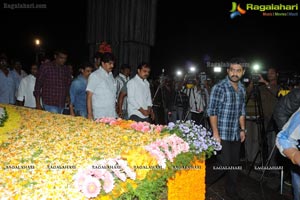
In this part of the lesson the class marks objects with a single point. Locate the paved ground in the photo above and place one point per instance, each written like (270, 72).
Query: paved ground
(252, 185)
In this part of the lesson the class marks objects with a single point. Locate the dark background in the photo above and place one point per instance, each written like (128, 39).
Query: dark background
(187, 32)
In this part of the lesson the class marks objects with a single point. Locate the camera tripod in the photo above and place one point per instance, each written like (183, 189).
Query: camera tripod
(179, 109)
(163, 94)
(259, 120)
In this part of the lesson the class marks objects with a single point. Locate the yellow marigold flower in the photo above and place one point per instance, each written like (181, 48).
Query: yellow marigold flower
(188, 183)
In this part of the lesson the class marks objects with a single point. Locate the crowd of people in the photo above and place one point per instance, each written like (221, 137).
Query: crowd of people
(97, 93)
(223, 107)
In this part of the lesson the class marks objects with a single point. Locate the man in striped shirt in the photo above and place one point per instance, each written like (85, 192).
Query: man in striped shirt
(226, 112)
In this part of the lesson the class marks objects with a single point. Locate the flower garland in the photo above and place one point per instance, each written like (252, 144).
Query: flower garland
(51, 139)
(198, 137)
(102, 175)
(137, 158)
(167, 149)
(41, 139)
(134, 164)
(188, 184)
(155, 184)
(144, 127)
(188, 140)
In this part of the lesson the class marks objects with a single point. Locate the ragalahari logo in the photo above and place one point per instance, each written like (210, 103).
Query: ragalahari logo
(236, 10)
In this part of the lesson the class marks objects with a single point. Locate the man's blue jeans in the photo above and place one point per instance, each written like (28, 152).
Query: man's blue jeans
(295, 173)
(82, 113)
(53, 109)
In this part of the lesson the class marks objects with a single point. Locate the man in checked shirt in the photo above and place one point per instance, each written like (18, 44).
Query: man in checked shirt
(53, 83)
(226, 111)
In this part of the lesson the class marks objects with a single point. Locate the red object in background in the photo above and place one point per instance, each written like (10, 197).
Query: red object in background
(104, 47)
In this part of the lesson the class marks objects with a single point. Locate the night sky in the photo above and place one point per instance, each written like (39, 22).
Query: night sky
(187, 32)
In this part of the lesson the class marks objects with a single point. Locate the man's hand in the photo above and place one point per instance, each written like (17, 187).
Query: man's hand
(214, 126)
(72, 112)
(39, 107)
(296, 158)
(293, 154)
(90, 116)
(89, 105)
(120, 113)
(152, 115)
(68, 100)
(144, 112)
(217, 137)
(243, 136)
(262, 80)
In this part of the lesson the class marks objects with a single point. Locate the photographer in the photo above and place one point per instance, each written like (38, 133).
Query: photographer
(163, 99)
(180, 103)
(196, 99)
(268, 90)
(167, 91)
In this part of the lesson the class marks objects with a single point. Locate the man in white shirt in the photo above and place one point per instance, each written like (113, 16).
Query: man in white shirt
(121, 80)
(139, 95)
(101, 90)
(25, 91)
(18, 73)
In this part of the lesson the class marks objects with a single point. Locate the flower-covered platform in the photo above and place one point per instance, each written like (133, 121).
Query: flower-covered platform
(45, 155)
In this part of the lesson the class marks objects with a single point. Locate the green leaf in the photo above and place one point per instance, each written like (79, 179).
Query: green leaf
(5, 144)
(96, 158)
(37, 153)
(30, 183)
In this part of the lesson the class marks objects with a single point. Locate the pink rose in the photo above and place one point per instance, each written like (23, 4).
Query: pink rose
(145, 129)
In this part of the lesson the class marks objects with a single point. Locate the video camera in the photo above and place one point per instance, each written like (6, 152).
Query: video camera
(294, 80)
(255, 78)
(162, 78)
(202, 77)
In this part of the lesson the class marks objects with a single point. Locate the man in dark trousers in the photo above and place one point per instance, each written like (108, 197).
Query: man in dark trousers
(289, 136)
(226, 111)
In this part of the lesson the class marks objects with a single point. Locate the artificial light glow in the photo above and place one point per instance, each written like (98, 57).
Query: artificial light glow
(37, 42)
(179, 73)
(217, 69)
(192, 69)
(256, 67)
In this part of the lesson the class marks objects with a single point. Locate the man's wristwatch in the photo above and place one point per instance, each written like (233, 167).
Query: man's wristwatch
(243, 130)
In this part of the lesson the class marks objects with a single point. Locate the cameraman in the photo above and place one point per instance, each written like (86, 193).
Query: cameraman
(167, 91)
(180, 102)
(196, 100)
(268, 90)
